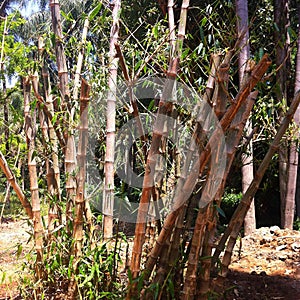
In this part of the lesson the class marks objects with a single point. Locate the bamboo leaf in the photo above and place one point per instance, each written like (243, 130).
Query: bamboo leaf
(3, 277)
(260, 53)
(19, 250)
(95, 11)
(171, 288)
(221, 211)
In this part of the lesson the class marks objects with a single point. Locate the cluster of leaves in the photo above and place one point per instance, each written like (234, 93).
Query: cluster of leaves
(96, 275)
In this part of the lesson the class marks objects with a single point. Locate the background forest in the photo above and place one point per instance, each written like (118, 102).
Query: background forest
(165, 128)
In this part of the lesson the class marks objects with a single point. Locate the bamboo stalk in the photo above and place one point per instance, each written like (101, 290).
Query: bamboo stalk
(80, 59)
(164, 108)
(54, 139)
(48, 112)
(50, 179)
(81, 176)
(189, 289)
(201, 135)
(108, 195)
(30, 132)
(188, 184)
(132, 98)
(171, 248)
(77, 79)
(59, 51)
(211, 81)
(13, 182)
(70, 149)
(240, 212)
(172, 27)
(233, 137)
(81, 158)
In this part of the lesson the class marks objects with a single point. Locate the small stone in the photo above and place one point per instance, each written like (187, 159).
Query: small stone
(296, 246)
(263, 273)
(265, 240)
(279, 248)
(273, 229)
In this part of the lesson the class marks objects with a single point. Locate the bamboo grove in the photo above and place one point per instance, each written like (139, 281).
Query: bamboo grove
(176, 251)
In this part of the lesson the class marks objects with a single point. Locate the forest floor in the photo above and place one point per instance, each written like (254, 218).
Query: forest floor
(266, 265)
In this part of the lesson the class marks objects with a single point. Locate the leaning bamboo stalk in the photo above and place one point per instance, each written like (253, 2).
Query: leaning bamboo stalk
(199, 222)
(13, 182)
(30, 132)
(233, 137)
(149, 179)
(108, 195)
(199, 238)
(190, 181)
(236, 221)
(189, 289)
(171, 247)
(164, 108)
(199, 134)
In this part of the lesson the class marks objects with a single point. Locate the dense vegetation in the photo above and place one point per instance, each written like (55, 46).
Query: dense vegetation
(124, 130)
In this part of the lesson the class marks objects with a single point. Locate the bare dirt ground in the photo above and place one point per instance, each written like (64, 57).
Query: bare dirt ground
(267, 267)
(14, 236)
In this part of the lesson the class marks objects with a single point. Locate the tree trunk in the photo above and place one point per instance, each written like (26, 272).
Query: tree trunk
(281, 39)
(298, 190)
(247, 156)
(289, 205)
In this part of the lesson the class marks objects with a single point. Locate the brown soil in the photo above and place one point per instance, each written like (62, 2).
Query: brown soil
(14, 237)
(265, 265)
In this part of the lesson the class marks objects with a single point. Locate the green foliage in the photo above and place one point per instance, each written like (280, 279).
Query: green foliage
(16, 53)
(230, 200)
(297, 224)
(96, 276)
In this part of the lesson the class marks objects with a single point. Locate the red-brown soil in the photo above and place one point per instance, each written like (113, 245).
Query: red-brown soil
(266, 267)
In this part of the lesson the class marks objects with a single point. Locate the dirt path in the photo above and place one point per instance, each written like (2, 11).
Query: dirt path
(14, 236)
(266, 268)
